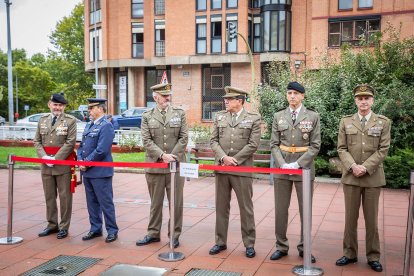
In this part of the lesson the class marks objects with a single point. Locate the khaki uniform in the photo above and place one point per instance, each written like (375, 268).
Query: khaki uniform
(160, 137)
(367, 147)
(240, 141)
(56, 179)
(305, 132)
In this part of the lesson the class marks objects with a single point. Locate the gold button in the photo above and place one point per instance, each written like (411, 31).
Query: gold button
(231, 142)
(51, 141)
(293, 145)
(165, 143)
(232, 135)
(363, 143)
(363, 134)
(231, 148)
(293, 136)
(165, 135)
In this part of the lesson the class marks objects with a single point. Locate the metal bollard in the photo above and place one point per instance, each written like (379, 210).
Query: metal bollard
(409, 232)
(9, 239)
(306, 268)
(188, 158)
(172, 256)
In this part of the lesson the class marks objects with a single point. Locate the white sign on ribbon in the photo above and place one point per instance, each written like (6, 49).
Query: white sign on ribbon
(189, 170)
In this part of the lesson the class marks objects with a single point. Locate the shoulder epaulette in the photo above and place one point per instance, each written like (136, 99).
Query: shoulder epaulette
(383, 117)
(69, 116)
(177, 108)
(282, 109)
(350, 115)
(45, 115)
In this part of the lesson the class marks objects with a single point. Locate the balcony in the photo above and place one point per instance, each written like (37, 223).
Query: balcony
(160, 48)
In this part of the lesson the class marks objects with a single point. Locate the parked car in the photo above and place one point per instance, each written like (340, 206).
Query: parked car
(31, 121)
(129, 119)
(2, 121)
(80, 114)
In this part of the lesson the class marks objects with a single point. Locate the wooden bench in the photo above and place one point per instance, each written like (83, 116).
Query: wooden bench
(202, 152)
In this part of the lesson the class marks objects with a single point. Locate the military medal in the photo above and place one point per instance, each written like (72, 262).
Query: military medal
(305, 136)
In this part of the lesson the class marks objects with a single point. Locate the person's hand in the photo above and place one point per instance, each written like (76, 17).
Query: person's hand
(358, 170)
(47, 157)
(229, 161)
(285, 166)
(167, 158)
(294, 165)
(82, 168)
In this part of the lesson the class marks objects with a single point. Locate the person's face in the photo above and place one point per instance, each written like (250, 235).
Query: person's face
(95, 112)
(163, 101)
(232, 105)
(56, 108)
(294, 98)
(364, 103)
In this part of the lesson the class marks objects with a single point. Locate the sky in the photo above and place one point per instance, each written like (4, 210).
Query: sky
(32, 22)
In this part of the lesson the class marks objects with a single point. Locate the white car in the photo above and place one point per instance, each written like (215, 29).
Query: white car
(2, 121)
(32, 121)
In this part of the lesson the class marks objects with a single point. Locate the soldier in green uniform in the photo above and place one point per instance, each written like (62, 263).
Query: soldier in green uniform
(363, 142)
(55, 139)
(295, 142)
(235, 138)
(164, 135)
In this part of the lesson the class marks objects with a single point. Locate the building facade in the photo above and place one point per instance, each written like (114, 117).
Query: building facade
(137, 43)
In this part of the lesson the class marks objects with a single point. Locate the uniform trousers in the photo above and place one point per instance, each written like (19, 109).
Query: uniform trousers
(158, 184)
(283, 193)
(369, 197)
(99, 199)
(243, 188)
(52, 186)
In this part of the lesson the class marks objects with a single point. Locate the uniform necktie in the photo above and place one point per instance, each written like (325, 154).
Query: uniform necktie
(294, 116)
(54, 120)
(163, 115)
(363, 121)
(233, 119)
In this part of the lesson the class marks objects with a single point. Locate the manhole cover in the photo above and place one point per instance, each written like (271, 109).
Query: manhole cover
(62, 265)
(206, 272)
(133, 270)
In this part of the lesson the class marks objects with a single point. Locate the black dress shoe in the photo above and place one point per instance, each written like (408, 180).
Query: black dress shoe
(313, 259)
(375, 265)
(345, 260)
(91, 235)
(62, 234)
(111, 238)
(217, 249)
(147, 240)
(277, 255)
(176, 243)
(48, 231)
(250, 252)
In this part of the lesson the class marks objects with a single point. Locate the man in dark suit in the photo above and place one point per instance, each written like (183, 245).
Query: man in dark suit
(164, 136)
(96, 146)
(363, 142)
(235, 138)
(55, 139)
(295, 142)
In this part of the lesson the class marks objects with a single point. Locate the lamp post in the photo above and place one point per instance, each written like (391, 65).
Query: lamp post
(95, 50)
(9, 65)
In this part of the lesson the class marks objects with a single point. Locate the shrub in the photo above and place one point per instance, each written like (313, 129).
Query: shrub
(397, 168)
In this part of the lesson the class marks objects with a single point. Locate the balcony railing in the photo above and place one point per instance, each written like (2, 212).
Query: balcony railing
(159, 7)
(160, 48)
(138, 50)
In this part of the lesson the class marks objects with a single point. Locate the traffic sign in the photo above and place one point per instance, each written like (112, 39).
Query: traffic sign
(164, 78)
(100, 86)
(26, 107)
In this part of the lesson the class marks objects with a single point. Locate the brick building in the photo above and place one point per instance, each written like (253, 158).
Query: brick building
(138, 40)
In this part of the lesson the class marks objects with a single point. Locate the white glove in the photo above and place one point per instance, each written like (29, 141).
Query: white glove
(294, 165)
(285, 166)
(48, 158)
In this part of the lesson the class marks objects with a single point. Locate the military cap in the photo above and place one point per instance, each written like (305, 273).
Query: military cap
(233, 92)
(162, 89)
(96, 101)
(363, 90)
(58, 98)
(294, 85)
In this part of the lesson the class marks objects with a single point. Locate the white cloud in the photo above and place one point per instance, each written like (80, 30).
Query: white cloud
(31, 22)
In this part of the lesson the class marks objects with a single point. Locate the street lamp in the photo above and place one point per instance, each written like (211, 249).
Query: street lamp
(9, 65)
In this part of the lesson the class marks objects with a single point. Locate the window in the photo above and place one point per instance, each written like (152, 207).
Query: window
(159, 7)
(231, 3)
(159, 38)
(94, 11)
(201, 35)
(201, 5)
(254, 3)
(231, 46)
(214, 79)
(257, 47)
(95, 40)
(137, 8)
(215, 4)
(364, 4)
(276, 30)
(216, 34)
(345, 4)
(352, 32)
(268, 2)
(137, 40)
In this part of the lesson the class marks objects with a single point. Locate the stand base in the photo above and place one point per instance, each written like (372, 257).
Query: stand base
(10, 240)
(300, 270)
(171, 256)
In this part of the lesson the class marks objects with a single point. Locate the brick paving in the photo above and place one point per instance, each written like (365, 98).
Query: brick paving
(132, 209)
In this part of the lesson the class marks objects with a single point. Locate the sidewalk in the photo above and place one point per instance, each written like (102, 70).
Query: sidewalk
(132, 209)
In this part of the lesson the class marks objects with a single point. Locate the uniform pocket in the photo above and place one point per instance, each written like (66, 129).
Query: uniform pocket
(351, 136)
(373, 139)
(246, 130)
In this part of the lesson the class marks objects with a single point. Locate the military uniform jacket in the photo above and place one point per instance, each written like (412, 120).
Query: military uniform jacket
(305, 132)
(160, 137)
(239, 141)
(96, 145)
(62, 134)
(367, 147)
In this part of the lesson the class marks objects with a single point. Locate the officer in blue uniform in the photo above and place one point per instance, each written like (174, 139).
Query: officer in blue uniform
(96, 146)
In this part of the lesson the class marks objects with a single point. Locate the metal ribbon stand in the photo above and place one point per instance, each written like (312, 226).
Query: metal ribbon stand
(9, 239)
(306, 268)
(409, 234)
(172, 256)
